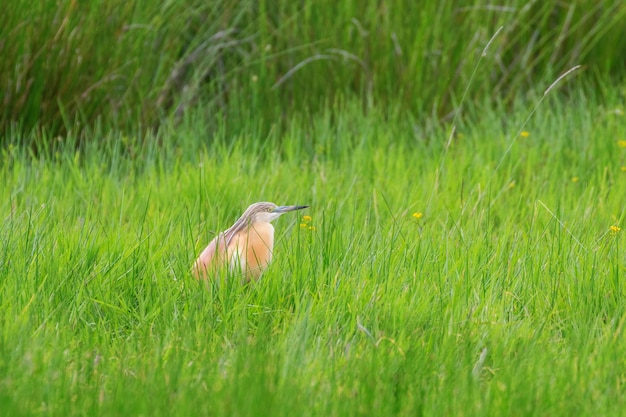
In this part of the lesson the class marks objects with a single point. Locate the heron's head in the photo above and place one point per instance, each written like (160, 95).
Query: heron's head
(266, 212)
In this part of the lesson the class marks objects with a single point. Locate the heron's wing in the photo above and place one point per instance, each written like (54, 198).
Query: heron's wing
(211, 255)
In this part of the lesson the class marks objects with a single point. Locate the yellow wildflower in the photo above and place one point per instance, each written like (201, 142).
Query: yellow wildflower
(306, 218)
(575, 179)
(624, 168)
(302, 225)
(524, 134)
(614, 229)
(312, 228)
(418, 215)
(621, 143)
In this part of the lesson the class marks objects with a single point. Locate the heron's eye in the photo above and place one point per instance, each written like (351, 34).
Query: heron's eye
(269, 209)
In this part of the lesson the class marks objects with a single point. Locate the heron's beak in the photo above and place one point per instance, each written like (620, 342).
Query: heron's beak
(285, 209)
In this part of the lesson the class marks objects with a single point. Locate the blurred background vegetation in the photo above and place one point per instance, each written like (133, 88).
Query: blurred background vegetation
(134, 65)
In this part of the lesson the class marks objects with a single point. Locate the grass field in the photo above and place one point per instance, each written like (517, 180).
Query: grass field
(63, 70)
(474, 273)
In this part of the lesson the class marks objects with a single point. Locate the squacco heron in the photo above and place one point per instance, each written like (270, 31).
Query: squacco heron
(246, 246)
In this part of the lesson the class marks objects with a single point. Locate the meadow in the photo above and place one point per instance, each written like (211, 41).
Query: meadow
(473, 274)
(463, 253)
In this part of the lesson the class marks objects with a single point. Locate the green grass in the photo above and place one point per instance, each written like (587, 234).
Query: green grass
(505, 298)
(131, 64)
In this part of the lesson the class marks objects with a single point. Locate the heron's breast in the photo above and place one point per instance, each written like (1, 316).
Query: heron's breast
(254, 247)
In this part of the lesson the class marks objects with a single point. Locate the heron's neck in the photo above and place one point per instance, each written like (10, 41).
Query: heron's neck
(240, 225)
